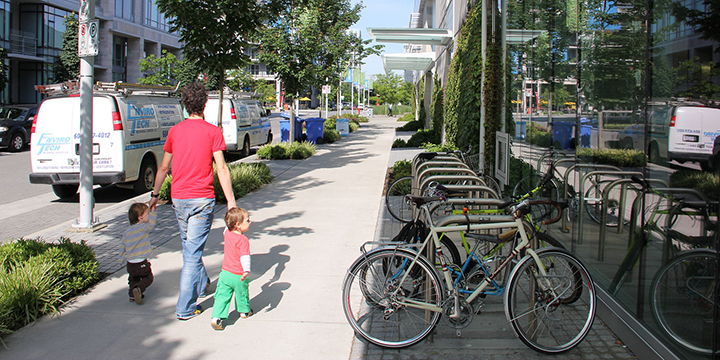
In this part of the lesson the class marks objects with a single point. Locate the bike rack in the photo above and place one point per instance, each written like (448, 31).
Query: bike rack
(479, 185)
(581, 198)
(459, 171)
(566, 181)
(671, 191)
(603, 214)
(564, 156)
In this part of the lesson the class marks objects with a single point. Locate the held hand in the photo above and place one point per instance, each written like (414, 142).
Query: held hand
(152, 204)
(244, 276)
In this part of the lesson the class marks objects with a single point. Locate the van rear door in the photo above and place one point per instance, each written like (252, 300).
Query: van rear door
(710, 129)
(685, 131)
(56, 140)
(228, 120)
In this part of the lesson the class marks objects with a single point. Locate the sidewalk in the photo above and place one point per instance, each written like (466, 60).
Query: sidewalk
(308, 225)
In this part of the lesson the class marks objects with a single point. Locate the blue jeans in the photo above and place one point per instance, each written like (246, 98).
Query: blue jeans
(194, 217)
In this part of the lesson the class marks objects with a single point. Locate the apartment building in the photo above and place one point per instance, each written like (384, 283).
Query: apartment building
(31, 34)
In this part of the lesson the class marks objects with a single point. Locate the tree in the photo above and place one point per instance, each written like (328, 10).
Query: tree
(406, 92)
(161, 69)
(389, 87)
(705, 21)
(308, 43)
(215, 33)
(698, 77)
(67, 66)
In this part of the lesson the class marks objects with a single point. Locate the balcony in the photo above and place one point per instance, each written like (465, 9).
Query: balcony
(22, 44)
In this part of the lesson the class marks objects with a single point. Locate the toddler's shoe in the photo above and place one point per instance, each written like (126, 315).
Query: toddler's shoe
(217, 324)
(196, 312)
(247, 314)
(137, 296)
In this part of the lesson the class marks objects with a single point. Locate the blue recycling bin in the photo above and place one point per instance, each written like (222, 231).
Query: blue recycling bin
(314, 128)
(562, 133)
(520, 130)
(285, 127)
(585, 135)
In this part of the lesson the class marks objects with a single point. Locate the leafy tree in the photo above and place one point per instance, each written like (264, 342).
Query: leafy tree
(388, 87)
(240, 80)
(698, 77)
(161, 69)
(215, 33)
(406, 93)
(705, 21)
(67, 66)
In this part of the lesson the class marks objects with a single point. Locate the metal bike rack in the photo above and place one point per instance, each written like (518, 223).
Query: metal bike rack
(564, 156)
(566, 181)
(479, 185)
(445, 171)
(603, 213)
(672, 191)
(581, 198)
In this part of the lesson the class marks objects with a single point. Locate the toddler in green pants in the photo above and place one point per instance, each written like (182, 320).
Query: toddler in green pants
(235, 269)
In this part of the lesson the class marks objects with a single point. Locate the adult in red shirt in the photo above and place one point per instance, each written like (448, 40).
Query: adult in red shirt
(191, 147)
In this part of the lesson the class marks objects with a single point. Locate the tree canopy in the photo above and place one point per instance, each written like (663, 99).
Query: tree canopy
(389, 88)
(308, 44)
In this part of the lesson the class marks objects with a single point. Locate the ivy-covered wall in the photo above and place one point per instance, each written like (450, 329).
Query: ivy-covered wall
(462, 92)
(436, 109)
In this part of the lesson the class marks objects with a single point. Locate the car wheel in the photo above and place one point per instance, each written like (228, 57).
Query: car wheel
(626, 143)
(246, 148)
(705, 166)
(146, 179)
(17, 142)
(65, 191)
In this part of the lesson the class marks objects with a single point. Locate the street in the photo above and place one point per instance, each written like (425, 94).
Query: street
(26, 209)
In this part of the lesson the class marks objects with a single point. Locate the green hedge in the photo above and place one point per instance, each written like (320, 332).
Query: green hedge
(36, 277)
(413, 125)
(704, 182)
(331, 135)
(281, 151)
(245, 178)
(615, 157)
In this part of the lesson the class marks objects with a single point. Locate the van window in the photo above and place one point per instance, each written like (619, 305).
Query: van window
(242, 114)
(252, 106)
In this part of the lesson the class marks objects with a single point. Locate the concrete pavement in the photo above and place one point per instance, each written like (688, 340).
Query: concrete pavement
(308, 225)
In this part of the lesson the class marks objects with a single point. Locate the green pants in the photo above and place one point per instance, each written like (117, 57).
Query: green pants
(229, 283)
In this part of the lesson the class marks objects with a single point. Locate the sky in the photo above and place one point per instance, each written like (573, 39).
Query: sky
(383, 14)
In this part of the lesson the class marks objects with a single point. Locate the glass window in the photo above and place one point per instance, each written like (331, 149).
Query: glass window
(124, 9)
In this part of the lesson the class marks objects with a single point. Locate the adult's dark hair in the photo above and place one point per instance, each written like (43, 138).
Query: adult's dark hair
(194, 98)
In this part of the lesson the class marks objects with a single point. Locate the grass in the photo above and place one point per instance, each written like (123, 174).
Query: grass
(286, 150)
(704, 182)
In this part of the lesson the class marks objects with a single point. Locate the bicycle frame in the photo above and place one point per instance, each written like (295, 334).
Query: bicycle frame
(503, 222)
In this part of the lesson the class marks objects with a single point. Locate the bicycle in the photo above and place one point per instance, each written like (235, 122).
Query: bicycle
(393, 296)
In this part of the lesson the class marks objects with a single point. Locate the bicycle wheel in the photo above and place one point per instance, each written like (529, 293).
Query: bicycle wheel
(374, 293)
(571, 297)
(548, 191)
(594, 203)
(450, 252)
(395, 199)
(493, 184)
(683, 296)
(535, 306)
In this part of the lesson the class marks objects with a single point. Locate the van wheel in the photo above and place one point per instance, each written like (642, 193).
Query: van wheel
(654, 155)
(65, 191)
(246, 148)
(17, 142)
(270, 138)
(146, 179)
(626, 143)
(705, 166)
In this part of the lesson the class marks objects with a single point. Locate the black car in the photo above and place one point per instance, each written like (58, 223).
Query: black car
(15, 124)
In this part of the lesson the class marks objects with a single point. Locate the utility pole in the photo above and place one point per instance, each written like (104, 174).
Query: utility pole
(88, 34)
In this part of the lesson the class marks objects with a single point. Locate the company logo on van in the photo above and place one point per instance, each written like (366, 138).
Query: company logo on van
(48, 144)
(140, 117)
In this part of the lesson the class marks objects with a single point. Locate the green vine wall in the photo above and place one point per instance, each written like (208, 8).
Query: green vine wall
(436, 108)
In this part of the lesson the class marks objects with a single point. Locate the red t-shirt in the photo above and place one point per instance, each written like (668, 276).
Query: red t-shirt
(236, 246)
(192, 143)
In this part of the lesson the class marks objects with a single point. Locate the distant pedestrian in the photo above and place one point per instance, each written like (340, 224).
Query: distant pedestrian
(390, 111)
(235, 269)
(135, 248)
(191, 146)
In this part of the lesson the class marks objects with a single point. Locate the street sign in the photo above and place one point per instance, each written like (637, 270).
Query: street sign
(326, 89)
(88, 36)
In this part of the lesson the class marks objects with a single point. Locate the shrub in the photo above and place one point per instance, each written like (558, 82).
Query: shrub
(407, 117)
(330, 123)
(331, 135)
(421, 137)
(537, 136)
(411, 126)
(704, 182)
(354, 125)
(615, 157)
(35, 277)
(295, 150)
(401, 168)
(517, 170)
(399, 143)
(438, 147)
(245, 177)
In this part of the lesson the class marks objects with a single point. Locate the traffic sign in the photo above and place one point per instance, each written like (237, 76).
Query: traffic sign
(88, 36)
(326, 89)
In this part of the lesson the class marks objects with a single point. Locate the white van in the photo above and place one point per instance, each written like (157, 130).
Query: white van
(245, 122)
(130, 125)
(680, 131)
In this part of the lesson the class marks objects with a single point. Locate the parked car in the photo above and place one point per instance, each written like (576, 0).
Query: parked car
(15, 125)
